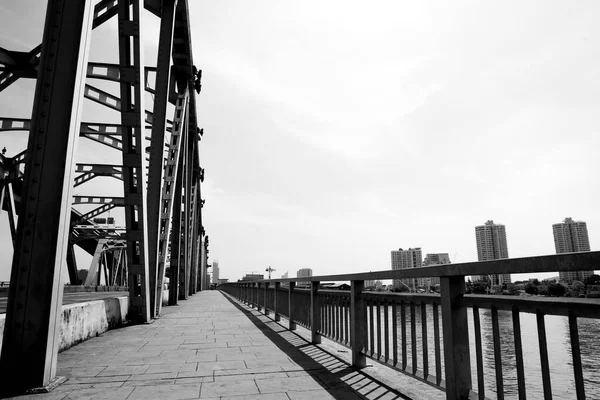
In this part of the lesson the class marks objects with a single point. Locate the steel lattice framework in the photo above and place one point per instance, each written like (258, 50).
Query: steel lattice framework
(159, 171)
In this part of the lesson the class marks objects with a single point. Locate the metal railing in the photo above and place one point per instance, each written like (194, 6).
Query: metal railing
(407, 332)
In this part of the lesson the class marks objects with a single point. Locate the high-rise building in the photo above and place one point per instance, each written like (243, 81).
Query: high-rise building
(303, 273)
(571, 236)
(491, 245)
(432, 259)
(403, 259)
(215, 271)
(284, 276)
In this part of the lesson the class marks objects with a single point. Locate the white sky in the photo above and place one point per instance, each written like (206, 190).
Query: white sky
(337, 131)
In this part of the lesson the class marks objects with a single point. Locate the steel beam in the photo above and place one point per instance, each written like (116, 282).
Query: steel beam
(169, 194)
(72, 265)
(90, 171)
(184, 267)
(32, 331)
(134, 161)
(9, 197)
(176, 238)
(157, 147)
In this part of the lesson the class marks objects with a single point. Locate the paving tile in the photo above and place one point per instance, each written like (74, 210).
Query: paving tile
(236, 356)
(79, 371)
(220, 365)
(195, 374)
(100, 394)
(189, 391)
(96, 379)
(296, 384)
(263, 396)
(157, 376)
(257, 370)
(270, 361)
(228, 388)
(124, 370)
(194, 379)
(157, 368)
(323, 394)
(249, 377)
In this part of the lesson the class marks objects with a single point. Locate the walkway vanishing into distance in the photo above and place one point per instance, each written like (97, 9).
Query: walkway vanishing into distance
(210, 347)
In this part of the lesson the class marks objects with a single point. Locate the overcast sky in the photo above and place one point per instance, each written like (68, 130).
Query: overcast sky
(337, 131)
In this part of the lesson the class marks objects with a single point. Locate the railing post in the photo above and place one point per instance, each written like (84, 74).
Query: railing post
(265, 298)
(276, 316)
(456, 338)
(258, 296)
(292, 326)
(358, 324)
(315, 313)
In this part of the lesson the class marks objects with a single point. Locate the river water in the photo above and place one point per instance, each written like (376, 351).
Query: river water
(559, 353)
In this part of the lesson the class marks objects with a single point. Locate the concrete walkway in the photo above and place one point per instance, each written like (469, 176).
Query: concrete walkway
(208, 347)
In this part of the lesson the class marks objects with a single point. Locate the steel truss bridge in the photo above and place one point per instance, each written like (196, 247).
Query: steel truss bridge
(159, 172)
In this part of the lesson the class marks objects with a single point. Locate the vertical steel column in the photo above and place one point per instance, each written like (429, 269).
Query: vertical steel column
(456, 338)
(32, 331)
(12, 212)
(169, 196)
(72, 265)
(176, 238)
(157, 147)
(358, 324)
(134, 155)
(184, 267)
(194, 241)
(315, 313)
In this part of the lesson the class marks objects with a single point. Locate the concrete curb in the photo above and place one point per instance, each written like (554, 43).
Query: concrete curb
(82, 321)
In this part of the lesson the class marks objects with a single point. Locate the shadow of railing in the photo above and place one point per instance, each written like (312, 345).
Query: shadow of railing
(341, 380)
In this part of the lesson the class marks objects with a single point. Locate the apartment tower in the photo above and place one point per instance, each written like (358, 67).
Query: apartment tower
(403, 259)
(569, 237)
(432, 259)
(215, 271)
(491, 245)
(303, 273)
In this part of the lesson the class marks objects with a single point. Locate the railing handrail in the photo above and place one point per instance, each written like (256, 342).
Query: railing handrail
(581, 261)
(328, 311)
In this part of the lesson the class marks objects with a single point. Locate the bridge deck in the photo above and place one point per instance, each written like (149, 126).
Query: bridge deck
(208, 347)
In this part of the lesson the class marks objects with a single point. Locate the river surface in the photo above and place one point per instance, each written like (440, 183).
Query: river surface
(559, 353)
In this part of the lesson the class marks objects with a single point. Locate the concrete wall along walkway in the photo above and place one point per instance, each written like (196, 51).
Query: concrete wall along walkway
(208, 347)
